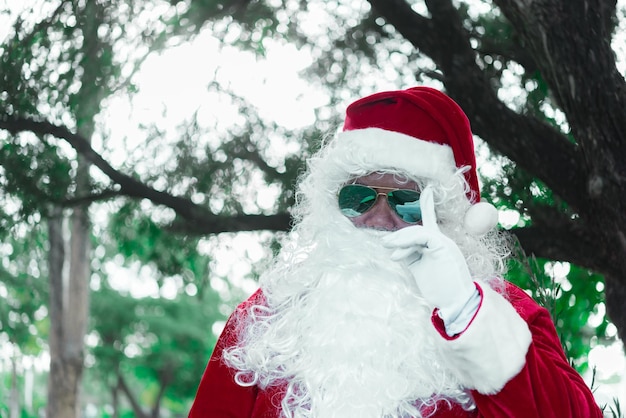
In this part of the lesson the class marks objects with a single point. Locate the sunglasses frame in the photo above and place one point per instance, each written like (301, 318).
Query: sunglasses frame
(386, 194)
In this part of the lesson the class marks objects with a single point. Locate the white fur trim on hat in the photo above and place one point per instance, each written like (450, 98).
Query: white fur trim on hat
(374, 149)
(492, 350)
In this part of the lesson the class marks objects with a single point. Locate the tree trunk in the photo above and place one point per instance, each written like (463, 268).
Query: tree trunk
(29, 382)
(63, 376)
(165, 379)
(115, 400)
(14, 396)
(69, 302)
(74, 313)
(139, 413)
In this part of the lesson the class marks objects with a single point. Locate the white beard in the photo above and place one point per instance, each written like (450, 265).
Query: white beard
(346, 331)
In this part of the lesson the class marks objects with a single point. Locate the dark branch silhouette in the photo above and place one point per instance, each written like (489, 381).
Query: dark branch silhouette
(197, 219)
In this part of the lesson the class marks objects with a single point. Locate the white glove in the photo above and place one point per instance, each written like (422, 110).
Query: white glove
(438, 266)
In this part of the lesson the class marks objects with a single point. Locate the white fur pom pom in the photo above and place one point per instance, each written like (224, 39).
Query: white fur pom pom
(481, 218)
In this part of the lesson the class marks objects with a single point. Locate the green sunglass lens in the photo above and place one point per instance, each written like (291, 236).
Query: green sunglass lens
(406, 203)
(354, 200)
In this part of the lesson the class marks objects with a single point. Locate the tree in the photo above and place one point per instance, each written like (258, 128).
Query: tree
(566, 50)
(470, 61)
(169, 342)
(22, 306)
(59, 68)
(526, 73)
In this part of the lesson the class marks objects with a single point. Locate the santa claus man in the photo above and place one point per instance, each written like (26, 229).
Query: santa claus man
(387, 298)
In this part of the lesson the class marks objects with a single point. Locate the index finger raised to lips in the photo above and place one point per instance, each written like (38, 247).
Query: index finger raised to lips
(427, 203)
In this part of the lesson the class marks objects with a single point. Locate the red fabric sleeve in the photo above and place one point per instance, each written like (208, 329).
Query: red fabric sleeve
(547, 386)
(218, 395)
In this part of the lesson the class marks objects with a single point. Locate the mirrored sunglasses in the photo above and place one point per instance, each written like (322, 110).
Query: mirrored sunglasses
(356, 199)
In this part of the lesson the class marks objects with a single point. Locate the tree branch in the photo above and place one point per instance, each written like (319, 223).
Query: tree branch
(553, 159)
(198, 220)
(121, 382)
(85, 200)
(570, 243)
(235, 223)
(572, 46)
(506, 47)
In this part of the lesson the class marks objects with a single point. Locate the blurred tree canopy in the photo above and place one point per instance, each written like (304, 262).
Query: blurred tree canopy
(542, 84)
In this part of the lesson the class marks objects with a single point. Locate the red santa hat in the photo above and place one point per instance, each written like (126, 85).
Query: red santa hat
(423, 132)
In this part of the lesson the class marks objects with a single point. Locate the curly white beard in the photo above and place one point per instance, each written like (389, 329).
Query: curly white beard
(345, 331)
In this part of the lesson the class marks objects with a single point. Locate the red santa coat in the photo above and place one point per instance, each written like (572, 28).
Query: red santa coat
(514, 376)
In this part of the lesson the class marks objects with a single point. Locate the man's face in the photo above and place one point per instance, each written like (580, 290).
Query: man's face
(381, 216)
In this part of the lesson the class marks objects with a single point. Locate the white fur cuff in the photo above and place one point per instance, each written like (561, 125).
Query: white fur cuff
(492, 350)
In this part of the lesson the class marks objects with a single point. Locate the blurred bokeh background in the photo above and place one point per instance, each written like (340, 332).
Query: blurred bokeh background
(149, 149)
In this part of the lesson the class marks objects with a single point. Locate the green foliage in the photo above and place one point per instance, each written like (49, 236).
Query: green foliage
(60, 67)
(137, 236)
(230, 167)
(35, 175)
(515, 189)
(154, 343)
(22, 284)
(38, 382)
(575, 302)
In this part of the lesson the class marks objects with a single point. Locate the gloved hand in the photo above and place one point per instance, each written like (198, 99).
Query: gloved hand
(437, 264)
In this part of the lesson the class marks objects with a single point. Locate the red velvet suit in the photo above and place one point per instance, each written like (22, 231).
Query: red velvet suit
(546, 387)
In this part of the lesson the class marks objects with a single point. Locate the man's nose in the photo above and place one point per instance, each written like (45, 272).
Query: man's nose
(380, 216)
